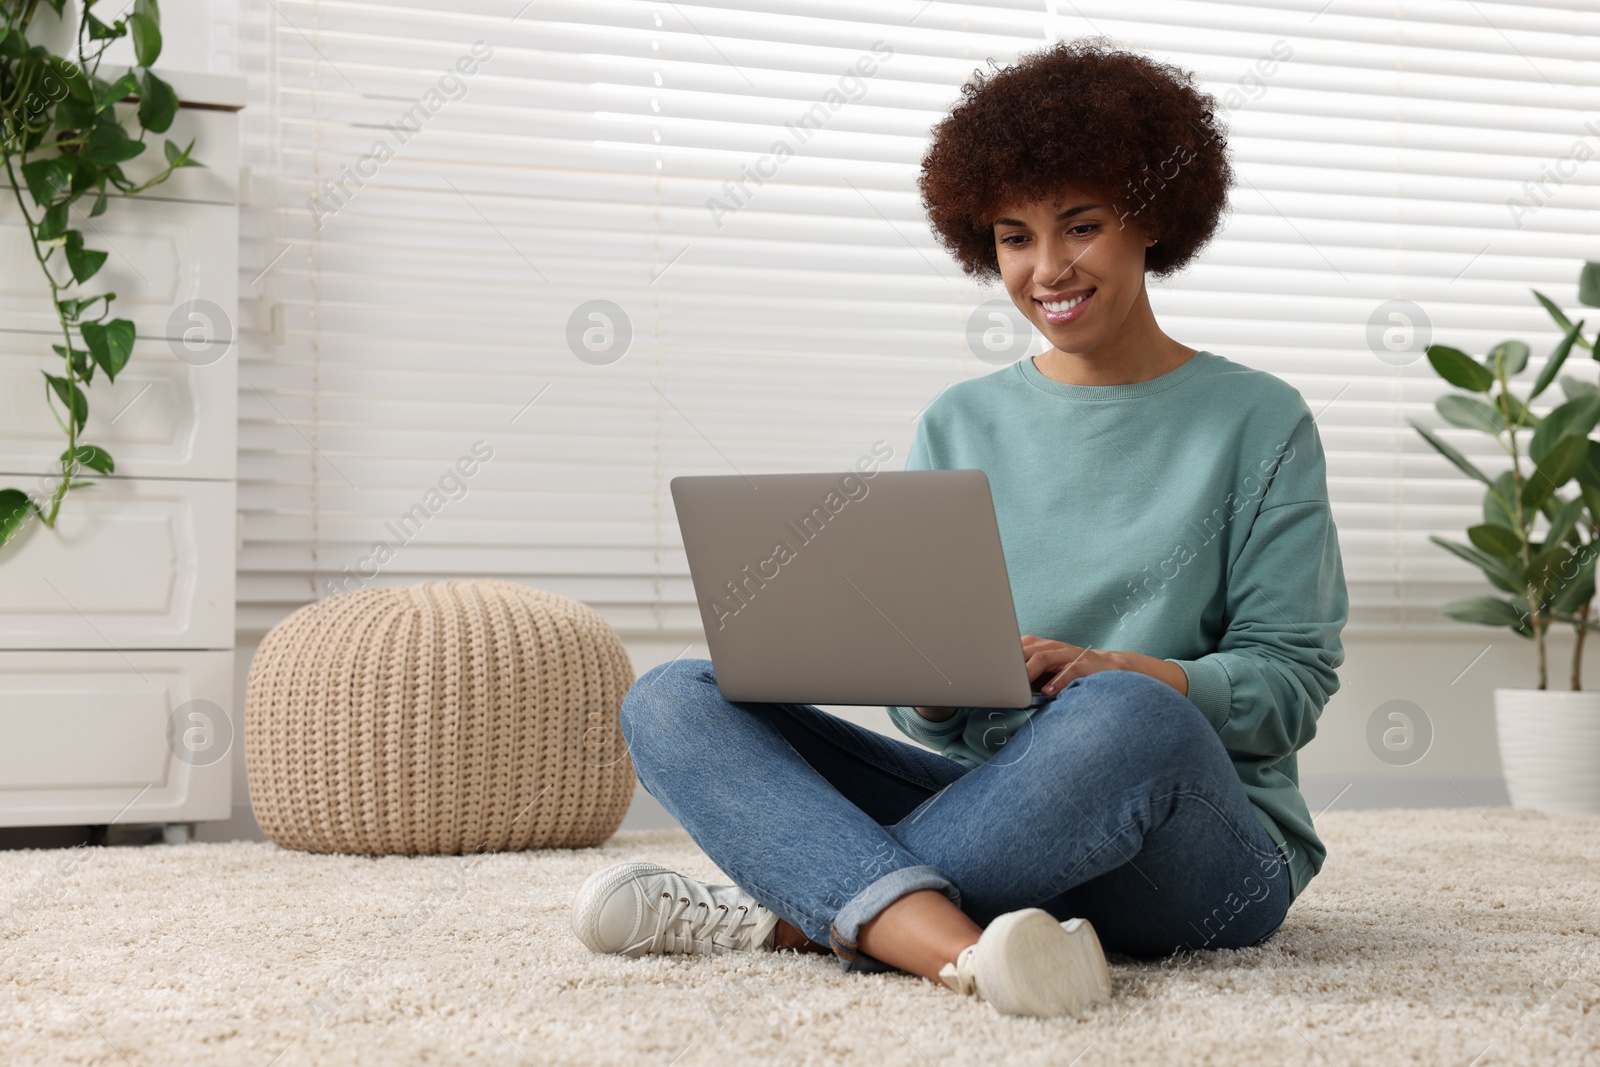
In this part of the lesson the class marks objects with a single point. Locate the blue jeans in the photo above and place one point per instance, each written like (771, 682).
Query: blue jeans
(1115, 801)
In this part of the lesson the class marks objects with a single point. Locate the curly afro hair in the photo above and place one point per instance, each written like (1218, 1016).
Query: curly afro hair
(1081, 113)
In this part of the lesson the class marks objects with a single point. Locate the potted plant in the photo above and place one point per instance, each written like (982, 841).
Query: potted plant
(1537, 544)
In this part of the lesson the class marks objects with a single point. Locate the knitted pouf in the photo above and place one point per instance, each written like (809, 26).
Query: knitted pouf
(448, 717)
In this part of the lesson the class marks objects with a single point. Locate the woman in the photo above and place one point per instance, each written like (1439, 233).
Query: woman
(1165, 521)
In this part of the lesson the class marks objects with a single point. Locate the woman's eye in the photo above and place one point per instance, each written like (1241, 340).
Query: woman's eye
(1085, 226)
(1014, 238)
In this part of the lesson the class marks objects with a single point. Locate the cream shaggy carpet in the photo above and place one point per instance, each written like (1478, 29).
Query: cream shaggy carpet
(1443, 936)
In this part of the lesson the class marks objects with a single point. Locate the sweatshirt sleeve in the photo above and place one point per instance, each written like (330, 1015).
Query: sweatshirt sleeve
(936, 735)
(1286, 602)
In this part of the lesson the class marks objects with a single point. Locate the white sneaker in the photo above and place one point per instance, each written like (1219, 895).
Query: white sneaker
(1027, 963)
(635, 909)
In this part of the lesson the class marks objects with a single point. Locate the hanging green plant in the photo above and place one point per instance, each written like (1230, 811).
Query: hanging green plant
(63, 143)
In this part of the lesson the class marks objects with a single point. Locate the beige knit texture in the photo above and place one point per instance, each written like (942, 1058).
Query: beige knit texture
(444, 718)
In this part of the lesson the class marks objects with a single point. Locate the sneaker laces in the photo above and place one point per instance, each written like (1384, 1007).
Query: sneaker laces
(693, 921)
(958, 975)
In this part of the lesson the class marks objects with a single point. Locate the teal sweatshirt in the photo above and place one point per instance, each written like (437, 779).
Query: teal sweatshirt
(1184, 517)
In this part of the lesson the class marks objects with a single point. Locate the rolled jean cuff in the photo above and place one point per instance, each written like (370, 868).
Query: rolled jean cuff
(866, 905)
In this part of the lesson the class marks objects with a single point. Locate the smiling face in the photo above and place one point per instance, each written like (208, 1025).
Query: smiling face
(1075, 270)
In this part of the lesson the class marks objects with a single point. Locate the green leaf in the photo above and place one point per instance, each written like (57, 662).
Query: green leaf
(1590, 494)
(1497, 501)
(1494, 539)
(1558, 356)
(14, 508)
(1555, 312)
(47, 179)
(1470, 413)
(1502, 573)
(179, 157)
(1589, 285)
(85, 263)
(1576, 387)
(158, 104)
(94, 457)
(1461, 462)
(1576, 417)
(111, 344)
(99, 31)
(110, 143)
(1509, 357)
(71, 397)
(1460, 369)
(72, 76)
(107, 94)
(53, 224)
(146, 38)
(1485, 610)
(1565, 524)
(1544, 567)
(1578, 590)
(1519, 413)
(82, 362)
(83, 175)
(73, 114)
(1556, 469)
(1589, 472)
(99, 207)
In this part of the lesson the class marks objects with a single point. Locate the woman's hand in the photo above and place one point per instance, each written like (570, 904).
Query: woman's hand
(1053, 664)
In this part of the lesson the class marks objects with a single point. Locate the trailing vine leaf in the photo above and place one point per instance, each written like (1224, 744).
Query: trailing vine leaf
(62, 156)
(111, 344)
(71, 397)
(15, 506)
(146, 36)
(84, 263)
(92, 456)
(158, 104)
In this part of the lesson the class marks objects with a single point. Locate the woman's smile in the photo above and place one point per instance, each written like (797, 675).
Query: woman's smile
(1065, 310)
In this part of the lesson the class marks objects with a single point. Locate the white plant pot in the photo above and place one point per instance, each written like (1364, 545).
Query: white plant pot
(1550, 748)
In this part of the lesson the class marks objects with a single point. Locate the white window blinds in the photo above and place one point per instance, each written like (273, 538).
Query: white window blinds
(509, 271)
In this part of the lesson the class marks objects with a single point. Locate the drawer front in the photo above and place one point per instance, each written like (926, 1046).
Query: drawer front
(164, 417)
(131, 564)
(101, 737)
(166, 260)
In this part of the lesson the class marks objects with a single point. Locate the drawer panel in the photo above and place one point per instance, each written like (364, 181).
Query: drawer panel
(164, 417)
(131, 737)
(132, 563)
(165, 260)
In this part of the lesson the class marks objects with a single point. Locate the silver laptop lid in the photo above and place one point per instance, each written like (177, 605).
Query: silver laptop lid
(838, 588)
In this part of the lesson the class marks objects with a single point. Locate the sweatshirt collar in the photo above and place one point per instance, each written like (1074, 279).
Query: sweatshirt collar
(1037, 379)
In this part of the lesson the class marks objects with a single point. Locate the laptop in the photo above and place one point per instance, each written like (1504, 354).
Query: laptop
(840, 588)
